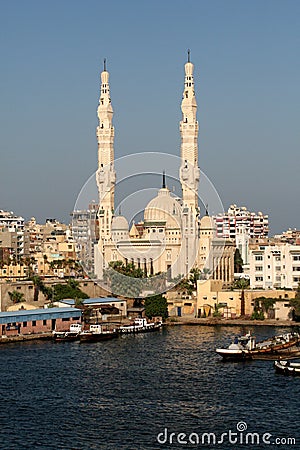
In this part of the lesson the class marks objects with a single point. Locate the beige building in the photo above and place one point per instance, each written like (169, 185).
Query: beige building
(211, 297)
(274, 265)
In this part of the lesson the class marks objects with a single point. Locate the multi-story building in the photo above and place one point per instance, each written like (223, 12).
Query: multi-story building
(274, 265)
(85, 232)
(239, 218)
(11, 223)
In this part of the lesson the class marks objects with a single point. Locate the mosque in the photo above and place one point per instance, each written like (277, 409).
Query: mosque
(171, 238)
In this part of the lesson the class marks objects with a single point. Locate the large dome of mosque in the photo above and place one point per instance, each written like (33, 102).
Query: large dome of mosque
(163, 208)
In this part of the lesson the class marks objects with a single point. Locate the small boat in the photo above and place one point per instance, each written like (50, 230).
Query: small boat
(245, 347)
(287, 368)
(140, 325)
(71, 335)
(97, 333)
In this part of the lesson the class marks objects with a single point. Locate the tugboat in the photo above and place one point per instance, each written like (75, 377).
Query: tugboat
(245, 347)
(71, 335)
(140, 325)
(97, 333)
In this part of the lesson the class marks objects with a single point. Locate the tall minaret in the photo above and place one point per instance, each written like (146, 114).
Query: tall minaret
(189, 170)
(106, 175)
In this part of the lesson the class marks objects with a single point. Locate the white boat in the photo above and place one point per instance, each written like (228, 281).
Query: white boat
(245, 347)
(140, 325)
(71, 335)
(287, 367)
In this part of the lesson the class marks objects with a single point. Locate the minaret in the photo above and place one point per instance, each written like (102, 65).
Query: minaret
(189, 171)
(106, 175)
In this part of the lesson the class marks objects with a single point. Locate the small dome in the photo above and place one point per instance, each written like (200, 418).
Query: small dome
(119, 223)
(163, 208)
(207, 223)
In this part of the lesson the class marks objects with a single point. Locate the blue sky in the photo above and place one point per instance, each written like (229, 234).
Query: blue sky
(247, 72)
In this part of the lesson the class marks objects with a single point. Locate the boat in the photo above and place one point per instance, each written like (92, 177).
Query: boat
(287, 368)
(246, 347)
(140, 325)
(97, 332)
(71, 335)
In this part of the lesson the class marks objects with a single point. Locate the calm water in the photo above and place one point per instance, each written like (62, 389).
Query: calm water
(121, 394)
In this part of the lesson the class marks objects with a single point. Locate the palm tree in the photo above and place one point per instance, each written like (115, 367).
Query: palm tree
(242, 284)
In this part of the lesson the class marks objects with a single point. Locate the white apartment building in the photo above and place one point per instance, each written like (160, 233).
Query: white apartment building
(274, 266)
(237, 218)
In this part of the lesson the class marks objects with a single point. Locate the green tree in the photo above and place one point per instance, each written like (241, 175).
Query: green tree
(238, 262)
(156, 305)
(295, 305)
(242, 284)
(16, 296)
(63, 291)
(119, 276)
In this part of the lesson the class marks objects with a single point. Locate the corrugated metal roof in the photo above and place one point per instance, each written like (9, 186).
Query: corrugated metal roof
(92, 301)
(38, 314)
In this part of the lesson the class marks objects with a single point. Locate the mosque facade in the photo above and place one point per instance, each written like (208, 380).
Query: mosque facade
(171, 238)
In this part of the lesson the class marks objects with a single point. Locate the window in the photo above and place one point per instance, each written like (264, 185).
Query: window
(296, 257)
(24, 324)
(34, 323)
(258, 258)
(259, 279)
(65, 319)
(258, 268)
(44, 322)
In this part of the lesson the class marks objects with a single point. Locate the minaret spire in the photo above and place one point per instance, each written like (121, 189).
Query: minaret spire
(164, 180)
(189, 172)
(105, 174)
(189, 53)
(104, 64)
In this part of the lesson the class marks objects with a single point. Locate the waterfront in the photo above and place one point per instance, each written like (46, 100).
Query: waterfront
(120, 394)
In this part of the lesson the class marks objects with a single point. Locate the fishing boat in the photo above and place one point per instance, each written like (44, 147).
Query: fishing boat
(287, 368)
(71, 335)
(140, 325)
(97, 333)
(246, 347)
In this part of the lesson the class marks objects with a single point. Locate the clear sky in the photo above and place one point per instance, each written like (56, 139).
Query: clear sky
(247, 71)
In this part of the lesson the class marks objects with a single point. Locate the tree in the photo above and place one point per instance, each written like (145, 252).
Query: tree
(242, 284)
(262, 306)
(295, 305)
(63, 291)
(119, 276)
(156, 305)
(16, 297)
(238, 262)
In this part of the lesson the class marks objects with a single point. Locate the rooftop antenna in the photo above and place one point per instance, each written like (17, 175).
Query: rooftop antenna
(104, 64)
(189, 54)
(206, 210)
